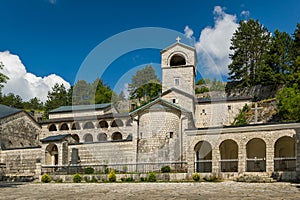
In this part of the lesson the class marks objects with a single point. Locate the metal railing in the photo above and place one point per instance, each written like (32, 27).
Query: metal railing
(285, 164)
(229, 165)
(256, 164)
(203, 166)
(144, 167)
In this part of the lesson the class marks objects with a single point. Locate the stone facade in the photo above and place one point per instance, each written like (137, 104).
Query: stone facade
(19, 130)
(175, 129)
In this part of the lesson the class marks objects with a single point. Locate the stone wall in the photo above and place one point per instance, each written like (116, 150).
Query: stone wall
(21, 162)
(212, 114)
(105, 153)
(158, 136)
(19, 130)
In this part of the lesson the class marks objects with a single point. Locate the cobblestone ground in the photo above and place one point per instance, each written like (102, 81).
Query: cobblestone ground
(203, 190)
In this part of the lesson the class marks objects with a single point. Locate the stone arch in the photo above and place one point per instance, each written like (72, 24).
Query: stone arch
(64, 126)
(88, 125)
(51, 154)
(117, 123)
(103, 124)
(177, 60)
(129, 122)
(256, 155)
(116, 136)
(52, 127)
(88, 138)
(102, 137)
(229, 156)
(203, 158)
(285, 154)
(75, 126)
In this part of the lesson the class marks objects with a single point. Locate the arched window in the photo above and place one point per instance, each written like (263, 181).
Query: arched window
(64, 126)
(102, 137)
(88, 125)
(117, 123)
(103, 124)
(256, 155)
(52, 127)
(88, 138)
(229, 156)
(203, 161)
(75, 126)
(285, 154)
(177, 60)
(116, 136)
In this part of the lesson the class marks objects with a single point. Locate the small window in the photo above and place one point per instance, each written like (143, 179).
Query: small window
(174, 100)
(203, 110)
(229, 107)
(171, 134)
(176, 81)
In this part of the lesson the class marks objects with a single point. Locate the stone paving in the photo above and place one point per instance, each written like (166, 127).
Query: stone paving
(204, 190)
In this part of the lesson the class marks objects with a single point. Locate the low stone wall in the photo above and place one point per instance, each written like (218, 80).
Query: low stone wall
(21, 162)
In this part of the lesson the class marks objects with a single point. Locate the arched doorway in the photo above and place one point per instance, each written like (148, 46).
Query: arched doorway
(52, 127)
(256, 155)
(88, 138)
(203, 158)
(103, 124)
(102, 137)
(116, 136)
(75, 126)
(88, 125)
(117, 123)
(51, 155)
(229, 156)
(285, 154)
(64, 126)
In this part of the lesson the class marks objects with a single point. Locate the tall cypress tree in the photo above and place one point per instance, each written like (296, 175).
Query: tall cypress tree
(250, 44)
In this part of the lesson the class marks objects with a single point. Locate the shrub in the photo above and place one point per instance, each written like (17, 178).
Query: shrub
(152, 177)
(212, 179)
(77, 178)
(196, 177)
(143, 179)
(166, 169)
(89, 170)
(112, 176)
(46, 178)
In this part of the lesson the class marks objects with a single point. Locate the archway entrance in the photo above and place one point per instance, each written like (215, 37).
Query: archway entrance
(229, 156)
(285, 154)
(51, 155)
(256, 155)
(203, 160)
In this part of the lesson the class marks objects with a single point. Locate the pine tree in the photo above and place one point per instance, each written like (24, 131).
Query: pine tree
(3, 78)
(249, 43)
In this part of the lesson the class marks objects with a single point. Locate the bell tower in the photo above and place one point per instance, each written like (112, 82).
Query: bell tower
(178, 65)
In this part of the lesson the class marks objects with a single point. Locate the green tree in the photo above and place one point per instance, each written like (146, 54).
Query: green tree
(81, 93)
(103, 93)
(3, 78)
(289, 103)
(56, 98)
(249, 43)
(33, 104)
(279, 59)
(144, 84)
(12, 100)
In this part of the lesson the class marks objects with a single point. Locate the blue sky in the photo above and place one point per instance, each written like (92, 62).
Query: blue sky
(57, 36)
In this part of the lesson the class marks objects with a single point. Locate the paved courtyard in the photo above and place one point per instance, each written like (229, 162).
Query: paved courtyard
(204, 190)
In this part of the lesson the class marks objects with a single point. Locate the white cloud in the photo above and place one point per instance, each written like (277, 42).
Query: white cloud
(188, 32)
(245, 13)
(25, 84)
(214, 43)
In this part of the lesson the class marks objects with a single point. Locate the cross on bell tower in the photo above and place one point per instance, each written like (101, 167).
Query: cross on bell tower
(178, 39)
